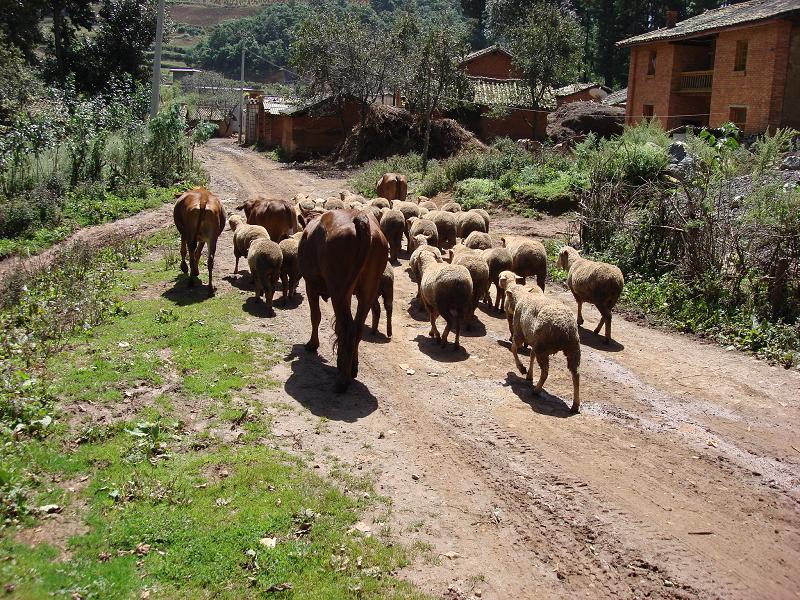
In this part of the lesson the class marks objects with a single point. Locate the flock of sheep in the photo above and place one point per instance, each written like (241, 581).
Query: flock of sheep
(342, 247)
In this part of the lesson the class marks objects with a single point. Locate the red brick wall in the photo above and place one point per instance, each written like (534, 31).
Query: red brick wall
(791, 95)
(584, 95)
(760, 86)
(649, 89)
(496, 65)
(517, 124)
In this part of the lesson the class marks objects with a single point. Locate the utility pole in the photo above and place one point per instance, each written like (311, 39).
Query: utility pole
(156, 97)
(241, 95)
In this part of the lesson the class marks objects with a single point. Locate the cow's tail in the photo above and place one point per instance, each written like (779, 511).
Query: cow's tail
(397, 188)
(203, 202)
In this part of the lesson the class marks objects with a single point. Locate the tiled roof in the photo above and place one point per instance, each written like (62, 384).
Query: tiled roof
(574, 88)
(483, 52)
(616, 98)
(505, 92)
(719, 18)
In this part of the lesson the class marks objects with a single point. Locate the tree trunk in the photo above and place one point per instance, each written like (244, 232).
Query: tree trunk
(58, 32)
(426, 141)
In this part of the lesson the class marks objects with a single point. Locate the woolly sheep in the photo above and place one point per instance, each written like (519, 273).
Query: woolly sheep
(499, 260)
(469, 221)
(452, 207)
(393, 225)
(421, 199)
(380, 202)
(529, 257)
(479, 240)
(478, 272)
(548, 327)
(446, 291)
(423, 211)
(595, 282)
(376, 212)
(290, 268)
(265, 259)
(506, 279)
(243, 236)
(423, 227)
(386, 291)
(413, 262)
(485, 216)
(333, 203)
(445, 226)
(409, 210)
(429, 204)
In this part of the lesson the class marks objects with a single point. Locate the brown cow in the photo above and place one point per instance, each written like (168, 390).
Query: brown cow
(276, 216)
(392, 186)
(200, 218)
(341, 253)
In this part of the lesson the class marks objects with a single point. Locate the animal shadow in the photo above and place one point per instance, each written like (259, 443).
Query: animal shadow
(598, 341)
(242, 281)
(543, 402)
(183, 294)
(475, 328)
(430, 347)
(311, 384)
(416, 311)
(258, 308)
(376, 338)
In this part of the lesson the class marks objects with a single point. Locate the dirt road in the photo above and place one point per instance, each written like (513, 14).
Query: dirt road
(679, 479)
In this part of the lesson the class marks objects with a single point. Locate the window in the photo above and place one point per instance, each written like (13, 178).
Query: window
(740, 62)
(738, 116)
(647, 111)
(651, 64)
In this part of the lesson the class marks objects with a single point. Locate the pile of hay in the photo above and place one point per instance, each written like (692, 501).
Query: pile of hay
(389, 130)
(577, 119)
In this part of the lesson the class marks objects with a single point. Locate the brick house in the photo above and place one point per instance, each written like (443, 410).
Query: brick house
(581, 92)
(739, 63)
(493, 62)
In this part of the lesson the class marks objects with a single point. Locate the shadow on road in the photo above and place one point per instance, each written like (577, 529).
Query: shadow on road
(598, 342)
(311, 384)
(543, 403)
(427, 345)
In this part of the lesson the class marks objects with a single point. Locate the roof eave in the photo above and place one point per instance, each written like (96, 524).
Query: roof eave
(633, 41)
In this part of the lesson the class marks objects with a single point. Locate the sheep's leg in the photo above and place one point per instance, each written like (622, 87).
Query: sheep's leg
(184, 266)
(580, 315)
(608, 327)
(285, 286)
(446, 331)
(576, 398)
(458, 332)
(544, 366)
(387, 305)
(498, 300)
(529, 375)
(540, 280)
(434, 333)
(376, 315)
(316, 317)
(236, 266)
(515, 352)
(269, 293)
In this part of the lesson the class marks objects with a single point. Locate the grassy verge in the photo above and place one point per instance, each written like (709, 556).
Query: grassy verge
(136, 455)
(83, 209)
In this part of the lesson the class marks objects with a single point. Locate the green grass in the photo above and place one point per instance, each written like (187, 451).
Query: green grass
(168, 506)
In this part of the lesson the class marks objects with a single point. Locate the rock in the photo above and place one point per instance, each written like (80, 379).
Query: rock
(451, 555)
(677, 151)
(49, 509)
(791, 163)
(415, 477)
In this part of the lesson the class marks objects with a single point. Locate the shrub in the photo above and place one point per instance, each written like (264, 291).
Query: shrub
(409, 165)
(479, 193)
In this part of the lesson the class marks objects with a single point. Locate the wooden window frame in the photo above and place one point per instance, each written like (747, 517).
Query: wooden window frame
(652, 62)
(740, 57)
(648, 111)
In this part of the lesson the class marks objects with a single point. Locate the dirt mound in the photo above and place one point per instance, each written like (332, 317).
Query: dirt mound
(389, 130)
(581, 118)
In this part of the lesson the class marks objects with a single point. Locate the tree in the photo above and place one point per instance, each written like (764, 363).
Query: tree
(344, 56)
(546, 45)
(68, 16)
(430, 74)
(17, 83)
(20, 24)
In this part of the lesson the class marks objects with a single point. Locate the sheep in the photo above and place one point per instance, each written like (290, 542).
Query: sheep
(333, 203)
(290, 268)
(548, 327)
(505, 280)
(469, 221)
(423, 227)
(452, 207)
(380, 202)
(386, 291)
(479, 273)
(393, 225)
(376, 212)
(479, 240)
(499, 260)
(429, 204)
(421, 199)
(529, 257)
(243, 236)
(485, 216)
(595, 282)
(265, 259)
(413, 262)
(445, 226)
(446, 291)
(423, 211)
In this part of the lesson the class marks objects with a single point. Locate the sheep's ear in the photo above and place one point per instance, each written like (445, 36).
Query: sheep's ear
(503, 241)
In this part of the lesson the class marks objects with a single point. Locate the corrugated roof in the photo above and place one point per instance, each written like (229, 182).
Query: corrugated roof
(489, 50)
(505, 92)
(574, 88)
(616, 98)
(719, 18)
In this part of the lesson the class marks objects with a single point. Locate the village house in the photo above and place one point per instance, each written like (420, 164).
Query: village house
(739, 63)
(581, 92)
